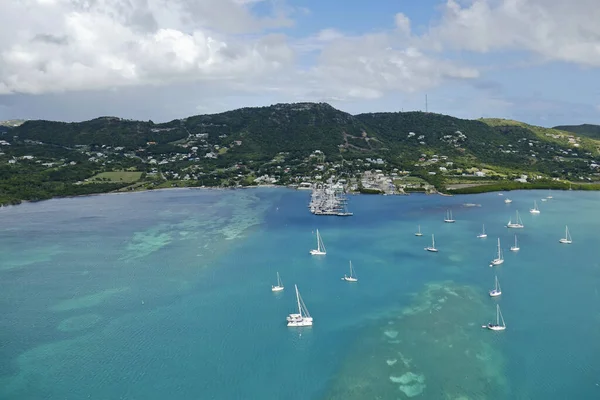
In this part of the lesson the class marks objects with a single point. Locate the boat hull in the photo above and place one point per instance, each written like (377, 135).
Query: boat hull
(317, 253)
(431, 249)
(418, 234)
(482, 236)
(565, 241)
(496, 327)
(303, 322)
(495, 293)
(349, 279)
(276, 288)
(515, 248)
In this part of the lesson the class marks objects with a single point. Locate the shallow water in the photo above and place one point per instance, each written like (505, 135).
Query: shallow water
(167, 295)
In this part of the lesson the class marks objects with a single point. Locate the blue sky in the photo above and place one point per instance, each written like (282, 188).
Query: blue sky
(533, 60)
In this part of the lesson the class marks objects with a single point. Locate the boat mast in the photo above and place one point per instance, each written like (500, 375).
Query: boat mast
(318, 241)
(298, 300)
(497, 314)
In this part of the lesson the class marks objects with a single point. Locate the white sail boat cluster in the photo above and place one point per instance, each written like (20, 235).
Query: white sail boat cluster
(432, 248)
(482, 234)
(279, 286)
(567, 239)
(449, 219)
(535, 209)
(302, 318)
(517, 224)
(499, 257)
(320, 250)
(352, 277)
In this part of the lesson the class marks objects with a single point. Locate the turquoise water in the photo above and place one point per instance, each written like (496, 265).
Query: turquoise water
(167, 295)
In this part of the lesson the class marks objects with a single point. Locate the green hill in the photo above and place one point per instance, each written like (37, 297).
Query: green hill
(235, 147)
(589, 130)
(301, 128)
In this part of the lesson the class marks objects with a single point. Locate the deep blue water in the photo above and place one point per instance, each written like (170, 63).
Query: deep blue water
(167, 295)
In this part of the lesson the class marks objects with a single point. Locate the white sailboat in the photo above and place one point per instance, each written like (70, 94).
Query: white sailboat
(496, 326)
(302, 318)
(320, 250)
(567, 239)
(507, 201)
(432, 247)
(516, 246)
(496, 291)
(352, 277)
(499, 258)
(449, 218)
(279, 286)
(535, 209)
(517, 224)
(418, 233)
(549, 194)
(482, 234)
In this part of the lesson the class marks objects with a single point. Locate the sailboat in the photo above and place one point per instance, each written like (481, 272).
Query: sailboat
(432, 247)
(567, 239)
(549, 195)
(279, 286)
(496, 326)
(302, 318)
(507, 201)
(496, 291)
(352, 277)
(320, 250)
(499, 258)
(535, 209)
(449, 218)
(418, 233)
(516, 246)
(482, 234)
(517, 224)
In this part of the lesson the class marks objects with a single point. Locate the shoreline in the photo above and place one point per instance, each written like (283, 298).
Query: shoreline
(463, 190)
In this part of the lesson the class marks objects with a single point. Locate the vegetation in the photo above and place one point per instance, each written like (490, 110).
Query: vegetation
(288, 143)
(589, 130)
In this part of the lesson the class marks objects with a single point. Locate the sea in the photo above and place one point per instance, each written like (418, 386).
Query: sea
(167, 295)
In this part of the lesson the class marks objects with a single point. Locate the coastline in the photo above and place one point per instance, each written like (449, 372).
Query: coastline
(459, 189)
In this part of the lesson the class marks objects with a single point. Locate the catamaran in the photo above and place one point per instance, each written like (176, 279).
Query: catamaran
(535, 209)
(482, 234)
(279, 286)
(352, 277)
(499, 258)
(320, 250)
(496, 326)
(516, 246)
(449, 218)
(517, 224)
(567, 239)
(418, 233)
(432, 247)
(496, 291)
(302, 318)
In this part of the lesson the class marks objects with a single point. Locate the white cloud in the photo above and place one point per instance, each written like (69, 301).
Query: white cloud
(370, 66)
(58, 45)
(553, 29)
(402, 23)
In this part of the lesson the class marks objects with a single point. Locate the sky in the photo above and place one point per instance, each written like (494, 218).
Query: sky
(536, 61)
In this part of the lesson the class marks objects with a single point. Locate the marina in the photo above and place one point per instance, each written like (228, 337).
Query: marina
(329, 199)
